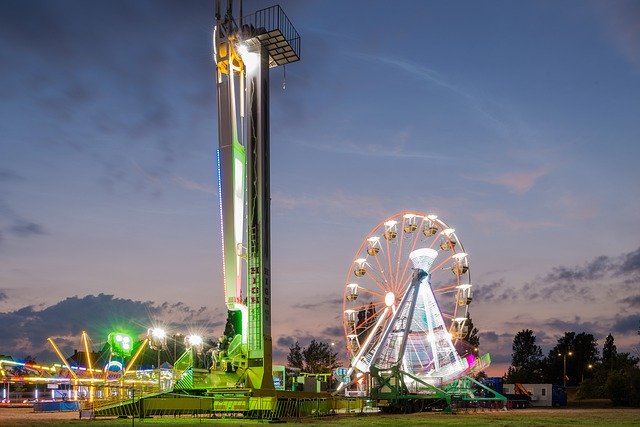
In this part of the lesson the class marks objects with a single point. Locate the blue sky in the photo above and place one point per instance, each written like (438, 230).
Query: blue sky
(516, 122)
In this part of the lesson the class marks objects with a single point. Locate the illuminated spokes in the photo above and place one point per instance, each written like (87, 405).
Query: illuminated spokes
(381, 272)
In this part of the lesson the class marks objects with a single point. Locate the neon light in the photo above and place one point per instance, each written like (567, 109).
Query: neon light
(245, 322)
(115, 363)
(121, 344)
(224, 268)
(62, 358)
(471, 360)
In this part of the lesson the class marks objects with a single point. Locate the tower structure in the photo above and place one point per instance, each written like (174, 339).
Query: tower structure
(244, 52)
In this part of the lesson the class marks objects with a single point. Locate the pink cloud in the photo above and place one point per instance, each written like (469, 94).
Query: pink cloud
(500, 219)
(517, 182)
(194, 186)
(335, 203)
(622, 27)
(576, 209)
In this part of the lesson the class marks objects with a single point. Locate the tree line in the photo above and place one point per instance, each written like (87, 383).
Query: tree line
(576, 361)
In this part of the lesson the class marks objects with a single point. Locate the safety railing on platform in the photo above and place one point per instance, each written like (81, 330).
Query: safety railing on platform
(142, 405)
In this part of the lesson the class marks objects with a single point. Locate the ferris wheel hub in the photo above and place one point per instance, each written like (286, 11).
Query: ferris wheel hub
(389, 299)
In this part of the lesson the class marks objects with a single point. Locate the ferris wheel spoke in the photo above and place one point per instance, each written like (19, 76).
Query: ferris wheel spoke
(413, 246)
(448, 316)
(372, 292)
(378, 282)
(389, 259)
(400, 246)
(439, 266)
(370, 317)
(433, 241)
(445, 289)
(381, 271)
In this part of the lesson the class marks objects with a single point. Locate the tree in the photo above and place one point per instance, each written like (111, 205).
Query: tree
(317, 358)
(526, 359)
(609, 351)
(616, 378)
(295, 359)
(578, 351)
(471, 335)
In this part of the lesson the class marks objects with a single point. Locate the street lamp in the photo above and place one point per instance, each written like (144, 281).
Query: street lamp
(589, 367)
(157, 339)
(564, 366)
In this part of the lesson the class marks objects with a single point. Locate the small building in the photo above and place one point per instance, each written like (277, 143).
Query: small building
(544, 395)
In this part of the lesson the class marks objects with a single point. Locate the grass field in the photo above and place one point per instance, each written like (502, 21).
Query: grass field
(522, 417)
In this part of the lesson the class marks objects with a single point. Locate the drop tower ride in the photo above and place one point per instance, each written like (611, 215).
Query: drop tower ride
(244, 52)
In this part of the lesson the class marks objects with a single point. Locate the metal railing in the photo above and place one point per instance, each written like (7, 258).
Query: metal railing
(274, 18)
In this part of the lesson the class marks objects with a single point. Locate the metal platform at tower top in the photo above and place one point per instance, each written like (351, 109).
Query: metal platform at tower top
(277, 34)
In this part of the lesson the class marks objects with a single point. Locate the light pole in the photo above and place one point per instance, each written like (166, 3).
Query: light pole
(332, 360)
(175, 343)
(157, 339)
(589, 367)
(564, 366)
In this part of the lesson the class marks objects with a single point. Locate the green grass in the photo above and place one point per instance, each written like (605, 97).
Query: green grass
(529, 417)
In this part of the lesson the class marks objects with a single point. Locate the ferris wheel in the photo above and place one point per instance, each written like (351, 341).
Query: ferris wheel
(381, 275)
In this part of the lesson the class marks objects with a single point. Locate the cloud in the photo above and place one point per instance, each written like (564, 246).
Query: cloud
(626, 324)
(631, 301)
(286, 341)
(26, 229)
(489, 336)
(518, 182)
(592, 270)
(121, 75)
(433, 77)
(569, 282)
(330, 204)
(98, 315)
(17, 224)
(335, 332)
(7, 175)
(575, 324)
(625, 266)
(497, 220)
(574, 208)
(493, 291)
(621, 21)
(386, 150)
(630, 264)
(194, 186)
(3, 295)
(317, 303)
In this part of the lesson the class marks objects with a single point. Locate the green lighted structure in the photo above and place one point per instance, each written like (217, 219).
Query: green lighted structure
(121, 344)
(244, 52)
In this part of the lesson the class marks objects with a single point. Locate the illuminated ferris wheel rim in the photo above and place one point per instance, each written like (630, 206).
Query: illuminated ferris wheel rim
(372, 273)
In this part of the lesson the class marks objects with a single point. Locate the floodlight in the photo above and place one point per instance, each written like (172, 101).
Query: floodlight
(193, 341)
(157, 338)
(121, 343)
(251, 59)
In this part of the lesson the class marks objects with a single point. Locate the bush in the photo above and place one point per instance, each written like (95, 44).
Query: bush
(619, 389)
